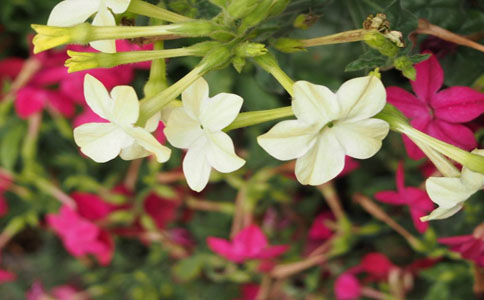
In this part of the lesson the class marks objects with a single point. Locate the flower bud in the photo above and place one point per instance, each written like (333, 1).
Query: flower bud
(238, 62)
(304, 21)
(379, 42)
(278, 6)
(250, 50)
(288, 45)
(241, 8)
(258, 15)
(49, 37)
(404, 64)
(217, 58)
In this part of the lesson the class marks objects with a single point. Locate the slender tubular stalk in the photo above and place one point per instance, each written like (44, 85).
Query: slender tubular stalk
(149, 10)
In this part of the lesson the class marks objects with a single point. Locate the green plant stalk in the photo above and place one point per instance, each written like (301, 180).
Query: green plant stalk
(270, 65)
(149, 10)
(337, 38)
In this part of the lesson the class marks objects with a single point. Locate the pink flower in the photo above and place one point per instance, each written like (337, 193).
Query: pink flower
(161, 210)
(437, 113)
(347, 287)
(471, 247)
(80, 236)
(63, 292)
(249, 243)
(92, 207)
(377, 265)
(416, 199)
(319, 230)
(5, 182)
(10, 68)
(249, 291)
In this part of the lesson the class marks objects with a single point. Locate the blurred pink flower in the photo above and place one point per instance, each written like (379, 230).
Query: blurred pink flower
(249, 243)
(416, 199)
(92, 207)
(6, 276)
(10, 68)
(5, 182)
(249, 291)
(162, 210)
(62, 292)
(377, 265)
(80, 236)
(471, 247)
(437, 113)
(347, 287)
(319, 230)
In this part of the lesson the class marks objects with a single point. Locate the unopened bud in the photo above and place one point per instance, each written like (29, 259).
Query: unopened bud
(216, 58)
(379, 42)
(49, 37)
(250, 50)
(304, 21)
(238, 62)
(277, 7)
(288, 45)
(241, 8)
(259, 14)
(404, 64)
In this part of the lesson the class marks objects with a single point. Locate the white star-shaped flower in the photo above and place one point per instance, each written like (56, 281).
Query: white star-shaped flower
(72, 12)
(197, 126)
(104, 141)
(328, 127)
(450, 193)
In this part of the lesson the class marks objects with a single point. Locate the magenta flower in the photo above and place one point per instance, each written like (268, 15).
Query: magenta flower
(437, 113)
(347, 287)
(5, 182)
(161, 210)
(92, 207)
(63, 292)
(249, 243)
(416, 199)
(377, 265)
(10, 68)
(471, 247)
(80, 236)
(319, 229)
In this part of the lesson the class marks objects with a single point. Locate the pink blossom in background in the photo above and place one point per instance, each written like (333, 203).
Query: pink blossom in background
(377, 265)
(9, 69)
(63, 292)
(471, 247)
(249, 243)
(161, 210)
(6, 276)
(91, 206)
(437, 113)
(350, 165)
(80, 236)
(5, 182)
(319, 230)
(347, 287)
(249, 291)
(416, 199)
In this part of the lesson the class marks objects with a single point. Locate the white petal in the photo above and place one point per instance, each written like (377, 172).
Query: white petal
(181, 130)
(193, 97)
(473, 180)
(361, 139)
(125, 106)
(361, 98)
(196, 167)
(99, 141)
(104, 18)
(134, 151)
(442, 213)
(118, 6)
(153, 122)
(221, 153)
(149, 142)
(314, 103)
(323, 162)
(218, 112)
(288, 139)
(97, 97)
(447, 192)
(72, 12)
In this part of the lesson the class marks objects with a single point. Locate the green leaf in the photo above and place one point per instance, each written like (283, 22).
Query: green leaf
(188, 269)
(10, 146)
(368, 60)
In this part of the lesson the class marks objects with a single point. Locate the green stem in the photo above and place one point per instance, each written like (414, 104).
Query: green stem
(270, 65)
(149, 10)
(338, 38)
(257, 117)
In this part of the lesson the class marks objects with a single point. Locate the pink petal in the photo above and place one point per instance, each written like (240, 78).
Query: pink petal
(50, 76)
(418, 198)
(376, 264)
(105, 254)
(61, 103)
(162, 210)
(30, 101)
(430, 77)
(347, 287)
(319, 230)
(351, 164)
(416, 215)
(64, 292)
(250, 241)
(3, 206)
(92, 207)
(390, 197)
(458, 104)
(6, 276)
(400, 177)
(10, 68)
(224, 248)
(455, 134)
(408, 104)
(250, 291)
(456, 240)
(88, 116)
(273, 251)
(412, 150)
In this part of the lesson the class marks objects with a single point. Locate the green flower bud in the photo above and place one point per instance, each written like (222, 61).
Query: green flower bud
(277, 7)
(404, 64)
(304, 21)
(288, 45)
(250, 50)
(241, 8)
(49, 37)
(379, 42)
(238, 63)
(217, 58)
(258, 15)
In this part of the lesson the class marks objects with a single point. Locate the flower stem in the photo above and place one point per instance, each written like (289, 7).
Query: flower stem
(337, 38)
(269, 64)
(246, 119)
(149, 10)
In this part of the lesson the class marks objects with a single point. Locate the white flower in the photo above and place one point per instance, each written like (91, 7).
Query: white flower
(328, 127)
(450, 193)
(72, 12)
(104, 141)
(197, 126)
